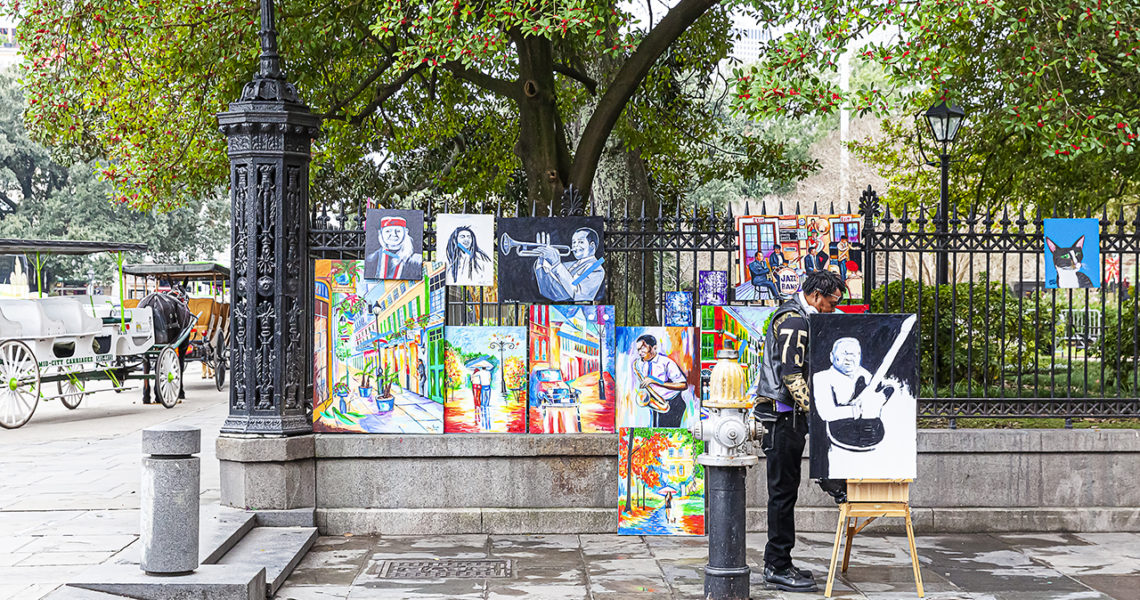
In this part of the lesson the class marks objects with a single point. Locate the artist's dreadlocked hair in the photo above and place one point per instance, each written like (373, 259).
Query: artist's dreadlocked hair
(824, 282)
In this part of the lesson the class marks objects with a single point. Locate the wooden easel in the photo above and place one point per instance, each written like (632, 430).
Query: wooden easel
(871, 499)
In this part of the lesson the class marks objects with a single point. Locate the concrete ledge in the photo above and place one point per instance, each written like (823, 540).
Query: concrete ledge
(1001, 441)
(441, 521)
(247, 449)
(297, 517)
(209, 582)
(451, 445)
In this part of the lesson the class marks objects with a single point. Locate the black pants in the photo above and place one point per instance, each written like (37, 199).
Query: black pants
(673, 417)
(783, 446)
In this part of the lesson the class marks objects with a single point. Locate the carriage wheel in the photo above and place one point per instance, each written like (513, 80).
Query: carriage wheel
(19, 384)
(220, 372)
(167, 377)
(71, 392)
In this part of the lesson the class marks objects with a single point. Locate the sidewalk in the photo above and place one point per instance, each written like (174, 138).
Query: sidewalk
(597, 567)
(69, 497)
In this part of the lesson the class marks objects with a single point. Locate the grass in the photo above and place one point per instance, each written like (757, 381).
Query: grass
(1028, 423)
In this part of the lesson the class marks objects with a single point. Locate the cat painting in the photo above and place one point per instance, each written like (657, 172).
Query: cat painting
(1072, 253)
(1067, 261)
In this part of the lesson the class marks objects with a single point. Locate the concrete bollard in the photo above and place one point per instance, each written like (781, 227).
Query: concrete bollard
(168, 499)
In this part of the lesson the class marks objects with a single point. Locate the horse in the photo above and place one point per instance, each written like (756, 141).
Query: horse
(171, 317)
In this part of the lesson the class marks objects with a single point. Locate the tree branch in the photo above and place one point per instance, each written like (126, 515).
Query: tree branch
(458, 145)
(483, 80)
(625, 84)
(379, 98)
(587, 82)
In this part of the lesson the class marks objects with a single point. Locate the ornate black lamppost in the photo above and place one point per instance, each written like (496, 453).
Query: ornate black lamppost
(269, 132)
(944, 122)
(502, 344)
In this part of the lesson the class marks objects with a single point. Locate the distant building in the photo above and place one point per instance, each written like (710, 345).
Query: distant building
(746, 49)
(9, 47)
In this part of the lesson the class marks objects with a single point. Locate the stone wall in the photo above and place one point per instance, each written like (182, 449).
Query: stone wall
(968, 481)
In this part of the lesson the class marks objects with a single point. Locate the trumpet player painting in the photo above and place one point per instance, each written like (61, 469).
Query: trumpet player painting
(661, 488)
(864, 383)
(466, 244)
(486, 379)
(571, 369)
(545, 260)
(656, 377)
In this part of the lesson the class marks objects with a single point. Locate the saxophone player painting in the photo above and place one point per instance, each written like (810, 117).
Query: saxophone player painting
(656, 377)
(547, 260)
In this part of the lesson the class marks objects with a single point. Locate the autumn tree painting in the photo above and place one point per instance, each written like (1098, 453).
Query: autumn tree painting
(660, 484)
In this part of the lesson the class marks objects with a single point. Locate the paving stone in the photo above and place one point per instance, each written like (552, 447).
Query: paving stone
(1120, 587)
(65, 558)
(313, 592)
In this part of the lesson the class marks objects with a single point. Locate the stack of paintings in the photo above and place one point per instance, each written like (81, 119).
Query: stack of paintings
(661, 487)
(377, 351)
(571, 388)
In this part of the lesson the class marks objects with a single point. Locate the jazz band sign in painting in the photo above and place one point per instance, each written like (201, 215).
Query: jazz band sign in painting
(548, 260)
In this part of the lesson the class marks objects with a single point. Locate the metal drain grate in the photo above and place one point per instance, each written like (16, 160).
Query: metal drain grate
(448, 568)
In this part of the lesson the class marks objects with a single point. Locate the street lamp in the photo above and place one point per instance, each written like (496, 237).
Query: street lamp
(502, 344)
(944, 122)
(598, 316)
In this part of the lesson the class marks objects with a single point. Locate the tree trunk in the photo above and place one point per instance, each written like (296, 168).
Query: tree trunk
(541, 145)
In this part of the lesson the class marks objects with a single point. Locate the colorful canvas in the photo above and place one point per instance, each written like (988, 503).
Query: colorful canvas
(1112, 269)
(776, 251)
(571, 369)
(466, 244)
(661, 488)
(393, 244)
(712, 288)
(487, 379)
(679, 309)
(1072, 253)
(551, 259)
(864, 384)
(378, 351)
(739, 327)
(657, 377)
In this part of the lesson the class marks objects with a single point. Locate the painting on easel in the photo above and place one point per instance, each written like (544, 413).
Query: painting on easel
(864, 375)
(661, 487)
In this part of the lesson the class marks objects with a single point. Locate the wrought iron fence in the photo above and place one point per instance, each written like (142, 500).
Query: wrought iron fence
(993, 343)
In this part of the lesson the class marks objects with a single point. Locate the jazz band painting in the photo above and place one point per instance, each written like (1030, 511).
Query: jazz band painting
(864, 382)
(394, 244)
(551, 259)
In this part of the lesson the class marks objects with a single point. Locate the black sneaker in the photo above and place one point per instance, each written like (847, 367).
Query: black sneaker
(789, 580)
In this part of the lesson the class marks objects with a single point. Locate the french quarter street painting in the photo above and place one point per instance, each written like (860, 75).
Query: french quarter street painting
(661, 487)
(486, 379)
(741, 328)
(657, 377)
(393, 244)
(466, 244)
(864, 386)
(548, 260)
(377, 351)
(777, 251)
(571, 369)
(1072, 253)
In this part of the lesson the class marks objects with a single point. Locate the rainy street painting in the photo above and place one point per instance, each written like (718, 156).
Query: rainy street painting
(486, 379)
(377, 351)
(661, 488)
(571, 369)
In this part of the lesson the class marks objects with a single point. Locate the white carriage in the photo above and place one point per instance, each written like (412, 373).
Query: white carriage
(71, 340)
